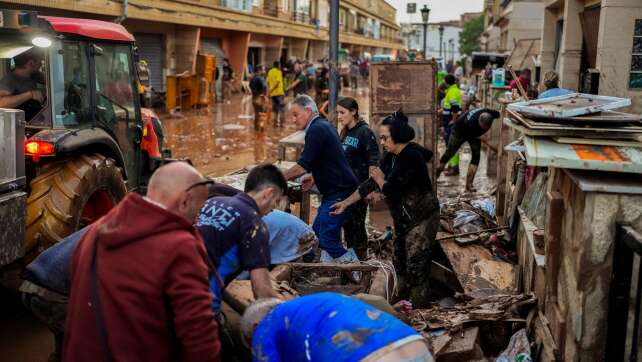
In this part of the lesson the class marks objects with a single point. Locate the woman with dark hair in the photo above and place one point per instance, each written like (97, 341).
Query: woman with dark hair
(361, 149)
(403, 179)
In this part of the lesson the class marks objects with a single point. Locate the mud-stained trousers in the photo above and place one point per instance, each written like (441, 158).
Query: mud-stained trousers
(354, 229)
(51, 313)
(258, 102)
(412, 260)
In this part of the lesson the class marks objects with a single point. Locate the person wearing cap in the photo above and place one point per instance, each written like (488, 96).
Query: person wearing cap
(404, 180)
(469, 127)
(328, 327)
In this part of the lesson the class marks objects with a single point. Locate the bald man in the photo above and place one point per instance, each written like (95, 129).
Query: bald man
(139, 278)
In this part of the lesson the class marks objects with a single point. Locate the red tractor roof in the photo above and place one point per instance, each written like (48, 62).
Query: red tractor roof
(90, 28)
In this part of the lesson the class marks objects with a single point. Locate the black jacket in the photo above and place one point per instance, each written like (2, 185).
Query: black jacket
(361, 149)
(407, 188)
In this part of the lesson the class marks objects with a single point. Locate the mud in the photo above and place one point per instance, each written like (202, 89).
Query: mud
(222, 139)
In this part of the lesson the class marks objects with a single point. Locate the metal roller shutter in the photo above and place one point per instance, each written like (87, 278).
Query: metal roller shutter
(150, 49)
(213, 47)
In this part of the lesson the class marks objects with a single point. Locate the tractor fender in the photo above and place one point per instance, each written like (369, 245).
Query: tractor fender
(91, 140)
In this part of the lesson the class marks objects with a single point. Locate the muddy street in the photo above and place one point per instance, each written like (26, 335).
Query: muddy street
(222, 139)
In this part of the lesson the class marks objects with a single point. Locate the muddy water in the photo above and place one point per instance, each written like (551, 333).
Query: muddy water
(222, 139)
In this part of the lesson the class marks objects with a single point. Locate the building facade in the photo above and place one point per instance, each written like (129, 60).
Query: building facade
(595, 45)
(413, 39)
(509, 21)
(171, 34)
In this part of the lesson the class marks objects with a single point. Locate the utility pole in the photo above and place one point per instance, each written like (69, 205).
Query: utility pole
(441, 39)
(425, 12)
(334, 59)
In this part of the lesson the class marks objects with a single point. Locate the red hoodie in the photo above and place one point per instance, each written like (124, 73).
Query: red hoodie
(153, 289)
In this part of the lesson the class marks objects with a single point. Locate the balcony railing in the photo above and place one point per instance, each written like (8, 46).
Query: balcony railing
(301, 17)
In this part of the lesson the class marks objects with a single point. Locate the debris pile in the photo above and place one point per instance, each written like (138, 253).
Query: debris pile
(577, 131)
(477, 325)
(473, 221)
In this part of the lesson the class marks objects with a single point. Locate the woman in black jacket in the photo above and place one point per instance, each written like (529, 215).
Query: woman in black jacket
(404, 181)
(361, 150)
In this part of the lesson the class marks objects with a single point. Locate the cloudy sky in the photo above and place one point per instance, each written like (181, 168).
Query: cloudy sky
(440, 10)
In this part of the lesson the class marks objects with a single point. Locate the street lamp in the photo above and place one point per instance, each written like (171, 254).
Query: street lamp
(441, 37)
(424, 17)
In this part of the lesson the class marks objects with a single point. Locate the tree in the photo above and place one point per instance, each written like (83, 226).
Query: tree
(469, 36)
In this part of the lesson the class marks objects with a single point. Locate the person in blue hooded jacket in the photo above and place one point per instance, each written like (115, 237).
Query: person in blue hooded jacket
(328, 327)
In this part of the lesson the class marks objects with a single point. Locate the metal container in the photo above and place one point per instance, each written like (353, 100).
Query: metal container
(13, 201)
(12, 156)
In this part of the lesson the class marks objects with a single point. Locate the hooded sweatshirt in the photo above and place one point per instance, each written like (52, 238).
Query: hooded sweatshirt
(361, 149)
(152, 286)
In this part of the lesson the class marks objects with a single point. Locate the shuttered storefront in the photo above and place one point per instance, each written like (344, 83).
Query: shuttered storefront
(150, 49)
(213, 47)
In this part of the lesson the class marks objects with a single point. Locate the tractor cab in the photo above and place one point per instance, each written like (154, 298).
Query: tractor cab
(75, 75)
(88, 141)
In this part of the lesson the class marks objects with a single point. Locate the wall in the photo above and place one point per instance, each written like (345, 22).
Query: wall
(526, 21)
(614, 49)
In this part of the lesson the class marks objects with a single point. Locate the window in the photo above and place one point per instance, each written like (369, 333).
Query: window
(114, 88)
(635, 77)
(70, 85)
(242, 5)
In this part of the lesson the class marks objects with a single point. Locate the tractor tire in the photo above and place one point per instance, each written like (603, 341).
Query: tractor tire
(67, 195)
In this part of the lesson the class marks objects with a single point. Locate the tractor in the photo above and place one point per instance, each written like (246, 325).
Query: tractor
(81, 145)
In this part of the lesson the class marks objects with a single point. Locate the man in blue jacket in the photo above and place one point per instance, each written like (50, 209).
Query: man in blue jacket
(323, 156)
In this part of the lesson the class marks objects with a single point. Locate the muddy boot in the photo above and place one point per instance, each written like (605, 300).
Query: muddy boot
(470, 177)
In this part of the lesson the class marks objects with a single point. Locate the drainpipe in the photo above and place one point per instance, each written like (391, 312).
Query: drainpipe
(122, 18)
(334, 59)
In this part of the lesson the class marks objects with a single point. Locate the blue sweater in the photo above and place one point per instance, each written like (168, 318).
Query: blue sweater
(323, 156)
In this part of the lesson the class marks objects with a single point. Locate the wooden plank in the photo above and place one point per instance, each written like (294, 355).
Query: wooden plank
(552, 237)
(476, 268)
(557, 325)
(329, 267)
(445, 275)
(543, 335)
(463, 347)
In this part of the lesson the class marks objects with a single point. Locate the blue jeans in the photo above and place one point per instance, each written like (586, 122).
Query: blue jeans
(328, 227)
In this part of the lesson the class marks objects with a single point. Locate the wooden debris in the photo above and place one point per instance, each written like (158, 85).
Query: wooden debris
(491, 308)
(476, 268)
(471, 233)
(464, 347)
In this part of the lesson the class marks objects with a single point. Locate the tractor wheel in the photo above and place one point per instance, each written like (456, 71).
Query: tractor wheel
(68, 195)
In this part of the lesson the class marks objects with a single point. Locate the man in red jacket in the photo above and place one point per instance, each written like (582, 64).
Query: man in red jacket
(139, 278)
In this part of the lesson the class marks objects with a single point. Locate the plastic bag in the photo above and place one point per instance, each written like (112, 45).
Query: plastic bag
(464, 217)
(485, 204)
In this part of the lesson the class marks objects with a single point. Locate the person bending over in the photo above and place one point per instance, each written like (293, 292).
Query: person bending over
(328, 327)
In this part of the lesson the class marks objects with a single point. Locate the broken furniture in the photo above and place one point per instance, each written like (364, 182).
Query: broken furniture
(585, 197)
(182, 92)
(296, 140)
